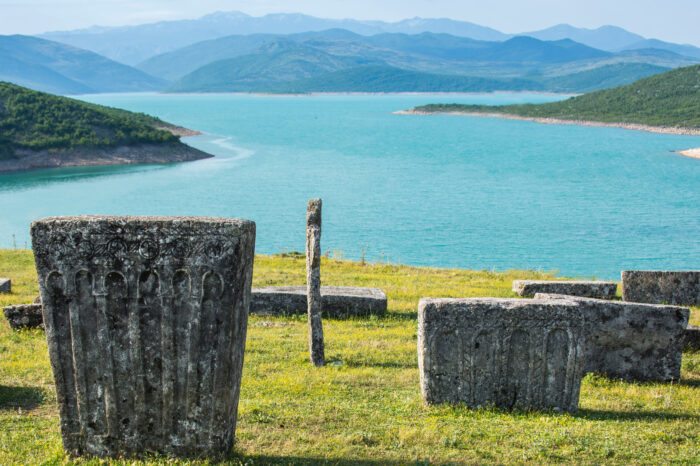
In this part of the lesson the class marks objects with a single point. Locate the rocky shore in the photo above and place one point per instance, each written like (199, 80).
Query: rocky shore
(695, 153)
(122, 155)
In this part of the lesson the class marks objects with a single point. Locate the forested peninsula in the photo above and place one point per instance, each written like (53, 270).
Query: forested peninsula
(666, 103)
(40, 130)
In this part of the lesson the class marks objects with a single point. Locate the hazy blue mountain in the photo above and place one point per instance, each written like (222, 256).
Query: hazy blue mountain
(602, 77)
(134, 44)
(53, 67)
(685, 49)
(608, 38)
(277, 61)
(379, 78)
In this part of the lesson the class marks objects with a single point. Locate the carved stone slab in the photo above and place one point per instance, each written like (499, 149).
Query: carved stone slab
(631, 341)
(691, 337)
(511, 353)
(338, 301)
(661, 287)
(146, 321)
(24, 316)
(5, 285)
(591, 289)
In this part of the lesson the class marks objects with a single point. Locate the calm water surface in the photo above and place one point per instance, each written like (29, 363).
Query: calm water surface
(469, 192)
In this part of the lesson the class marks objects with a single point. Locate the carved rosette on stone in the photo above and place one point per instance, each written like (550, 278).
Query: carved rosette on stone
(146, 321)
(508, 353)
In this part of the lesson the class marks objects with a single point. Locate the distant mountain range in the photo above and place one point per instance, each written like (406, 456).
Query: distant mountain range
(286, 53)
(53, 67)
(135, 44)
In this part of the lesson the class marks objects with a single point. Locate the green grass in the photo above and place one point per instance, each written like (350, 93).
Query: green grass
(368, 410)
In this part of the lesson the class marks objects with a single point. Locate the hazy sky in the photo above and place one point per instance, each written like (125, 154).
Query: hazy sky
(671, 20)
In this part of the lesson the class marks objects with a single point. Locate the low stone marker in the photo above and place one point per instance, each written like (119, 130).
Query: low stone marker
(5, 285)
(24, 316)
(631, 341)
(661, 287)
(591, 289)
(510, 353)
(337, 301)
(146, 322)
(691, 337)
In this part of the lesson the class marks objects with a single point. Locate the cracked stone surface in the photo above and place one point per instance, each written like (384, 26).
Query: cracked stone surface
(24, 316)
(510, 353)
(146, 321)
(661, 287)
(631, 341)
(591, 289)
(337, 301)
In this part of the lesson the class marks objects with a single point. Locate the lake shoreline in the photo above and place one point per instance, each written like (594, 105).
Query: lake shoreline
(693, 153)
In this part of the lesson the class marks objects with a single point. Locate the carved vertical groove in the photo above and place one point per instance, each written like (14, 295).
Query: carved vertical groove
(518, 369)
(557, 361)
(182, 311)
(150, 314)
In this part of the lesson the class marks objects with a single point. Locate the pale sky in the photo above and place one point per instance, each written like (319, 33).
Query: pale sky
(670, 20)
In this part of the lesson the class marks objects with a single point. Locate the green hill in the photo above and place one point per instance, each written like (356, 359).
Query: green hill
(50, 130)
(669, 99)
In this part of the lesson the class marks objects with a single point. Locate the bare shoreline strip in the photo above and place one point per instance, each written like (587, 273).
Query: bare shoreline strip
(695, 153)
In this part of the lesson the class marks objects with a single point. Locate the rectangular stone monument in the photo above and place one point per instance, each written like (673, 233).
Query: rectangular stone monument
(661, 287)
(5, 285)
(631, 341)
(146, 321)
(509, 353)
(591, 289)
(691, 338)
(337, 301)
(24, 316)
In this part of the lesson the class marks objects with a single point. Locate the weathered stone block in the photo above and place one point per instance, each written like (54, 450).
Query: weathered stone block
(631, 341)
(338, 301)
(5, 285)
(511, 353)
(591, 289)
(24, 316)
(146, 321)
(691, 337)
(661, 287)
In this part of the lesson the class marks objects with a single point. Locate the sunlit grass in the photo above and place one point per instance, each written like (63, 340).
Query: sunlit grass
(367, 408)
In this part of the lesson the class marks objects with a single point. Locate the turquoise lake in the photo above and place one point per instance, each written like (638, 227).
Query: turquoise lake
(449, 191)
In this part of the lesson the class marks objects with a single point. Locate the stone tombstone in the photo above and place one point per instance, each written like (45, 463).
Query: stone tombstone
(591, 289)
(337, 301)
(313, 282)
(691, 338)
(146, 321)
(510, 353)
(661, 287)
(5, 285)
(631, 341)
(24, 316)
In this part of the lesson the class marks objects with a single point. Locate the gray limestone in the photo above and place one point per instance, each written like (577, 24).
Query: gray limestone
(510, 353)
(146, 321)
(337, 301)
(631, 341)
(313, 281)
(691, 337)
(591, 289)
(661, 287)
(24, 316)
(5, 285)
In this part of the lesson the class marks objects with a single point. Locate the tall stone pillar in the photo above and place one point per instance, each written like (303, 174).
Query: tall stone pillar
(313, 281)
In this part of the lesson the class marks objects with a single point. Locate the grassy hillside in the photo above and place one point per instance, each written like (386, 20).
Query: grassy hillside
(54, 67)
(367, 408)
(34, 120)
(668, 99)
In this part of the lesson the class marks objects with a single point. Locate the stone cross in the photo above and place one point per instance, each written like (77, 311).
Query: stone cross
(313, 281)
